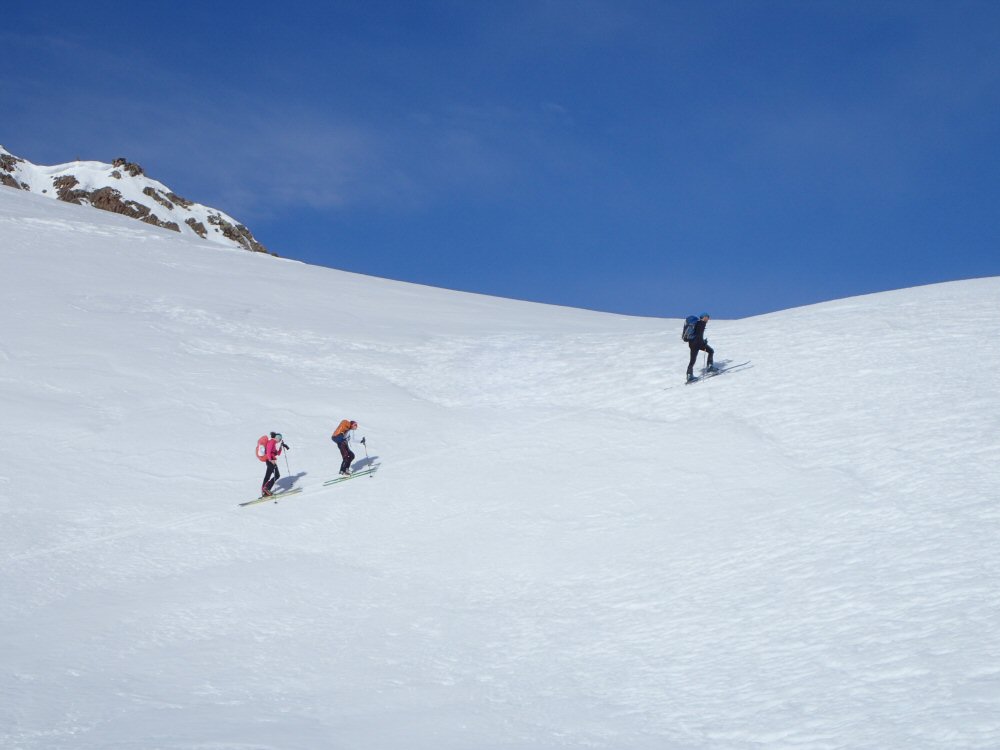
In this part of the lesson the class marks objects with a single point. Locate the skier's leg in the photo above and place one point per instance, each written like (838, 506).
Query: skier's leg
(694, 357)
(711, 353)
(346, 455)
(265, 487)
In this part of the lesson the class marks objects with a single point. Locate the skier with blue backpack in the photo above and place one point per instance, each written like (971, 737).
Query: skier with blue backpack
(694, 334)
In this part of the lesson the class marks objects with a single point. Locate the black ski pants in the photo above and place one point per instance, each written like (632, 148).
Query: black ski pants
(698, 346)
(272, 468)
(346, 453)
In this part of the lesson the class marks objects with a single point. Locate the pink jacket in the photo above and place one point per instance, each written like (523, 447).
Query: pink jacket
(273, 450)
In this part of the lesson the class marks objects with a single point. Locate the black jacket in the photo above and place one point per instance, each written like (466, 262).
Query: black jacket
(698, 340)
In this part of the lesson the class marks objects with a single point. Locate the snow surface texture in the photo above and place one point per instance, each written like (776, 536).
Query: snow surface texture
(564, 546)
(191, 219)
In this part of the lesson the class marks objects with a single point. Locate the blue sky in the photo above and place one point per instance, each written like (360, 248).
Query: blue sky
(650, 158)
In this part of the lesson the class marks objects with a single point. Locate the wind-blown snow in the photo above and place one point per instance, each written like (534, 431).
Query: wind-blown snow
(563, 547)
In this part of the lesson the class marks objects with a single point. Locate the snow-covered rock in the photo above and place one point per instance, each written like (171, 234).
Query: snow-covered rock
(123, 188)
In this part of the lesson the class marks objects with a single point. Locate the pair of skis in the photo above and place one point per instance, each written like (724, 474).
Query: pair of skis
(706, 374)
(279, 495)
(352, 475)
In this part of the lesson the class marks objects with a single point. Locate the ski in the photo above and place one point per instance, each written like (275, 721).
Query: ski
(278, 495)
(362, 473)
(275, 496)
(720, 371)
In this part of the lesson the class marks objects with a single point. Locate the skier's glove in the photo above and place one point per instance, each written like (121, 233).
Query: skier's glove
(287, 446)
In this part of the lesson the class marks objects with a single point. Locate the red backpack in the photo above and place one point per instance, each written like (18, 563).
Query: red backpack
(262, 448)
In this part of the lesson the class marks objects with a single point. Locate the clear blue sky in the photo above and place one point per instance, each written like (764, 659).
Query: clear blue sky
(652, 158)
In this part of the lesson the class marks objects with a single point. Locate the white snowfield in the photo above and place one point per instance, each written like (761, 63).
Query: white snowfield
(564, 546)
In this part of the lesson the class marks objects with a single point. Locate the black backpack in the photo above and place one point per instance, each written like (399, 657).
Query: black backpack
(687, 333)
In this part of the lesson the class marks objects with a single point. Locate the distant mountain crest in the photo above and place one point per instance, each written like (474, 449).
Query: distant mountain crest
(122, 187)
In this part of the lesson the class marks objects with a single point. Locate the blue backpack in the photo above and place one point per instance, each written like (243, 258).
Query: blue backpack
(687, 333)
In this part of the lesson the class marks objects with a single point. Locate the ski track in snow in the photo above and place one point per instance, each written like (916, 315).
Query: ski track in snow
(563, 547)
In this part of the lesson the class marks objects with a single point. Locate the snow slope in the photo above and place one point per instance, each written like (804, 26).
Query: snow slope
(563, 547)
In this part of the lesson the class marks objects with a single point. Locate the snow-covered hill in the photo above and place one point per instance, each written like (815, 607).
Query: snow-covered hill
(123, 188)
(564, 546)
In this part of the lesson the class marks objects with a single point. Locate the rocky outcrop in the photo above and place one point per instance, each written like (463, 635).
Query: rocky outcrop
(133, 169)
(109, 199)
(8, 166)
(64, 189)
(6, 179)
(237, 233)
(179, 201)
(198, 227)
(158, 197)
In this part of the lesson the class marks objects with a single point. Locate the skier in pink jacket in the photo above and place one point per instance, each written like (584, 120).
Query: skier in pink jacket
(271, 452)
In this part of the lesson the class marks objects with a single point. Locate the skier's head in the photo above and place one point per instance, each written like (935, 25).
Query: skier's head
(354, 425)
(273, 435)
(277, 436)
(704, 316)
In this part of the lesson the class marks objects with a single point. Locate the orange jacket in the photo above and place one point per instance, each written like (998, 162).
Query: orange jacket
(343, 428)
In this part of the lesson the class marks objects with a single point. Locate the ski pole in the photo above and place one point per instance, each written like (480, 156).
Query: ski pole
(366, 454)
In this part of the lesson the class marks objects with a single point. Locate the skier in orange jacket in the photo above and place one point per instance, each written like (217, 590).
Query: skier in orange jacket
(342, 436)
